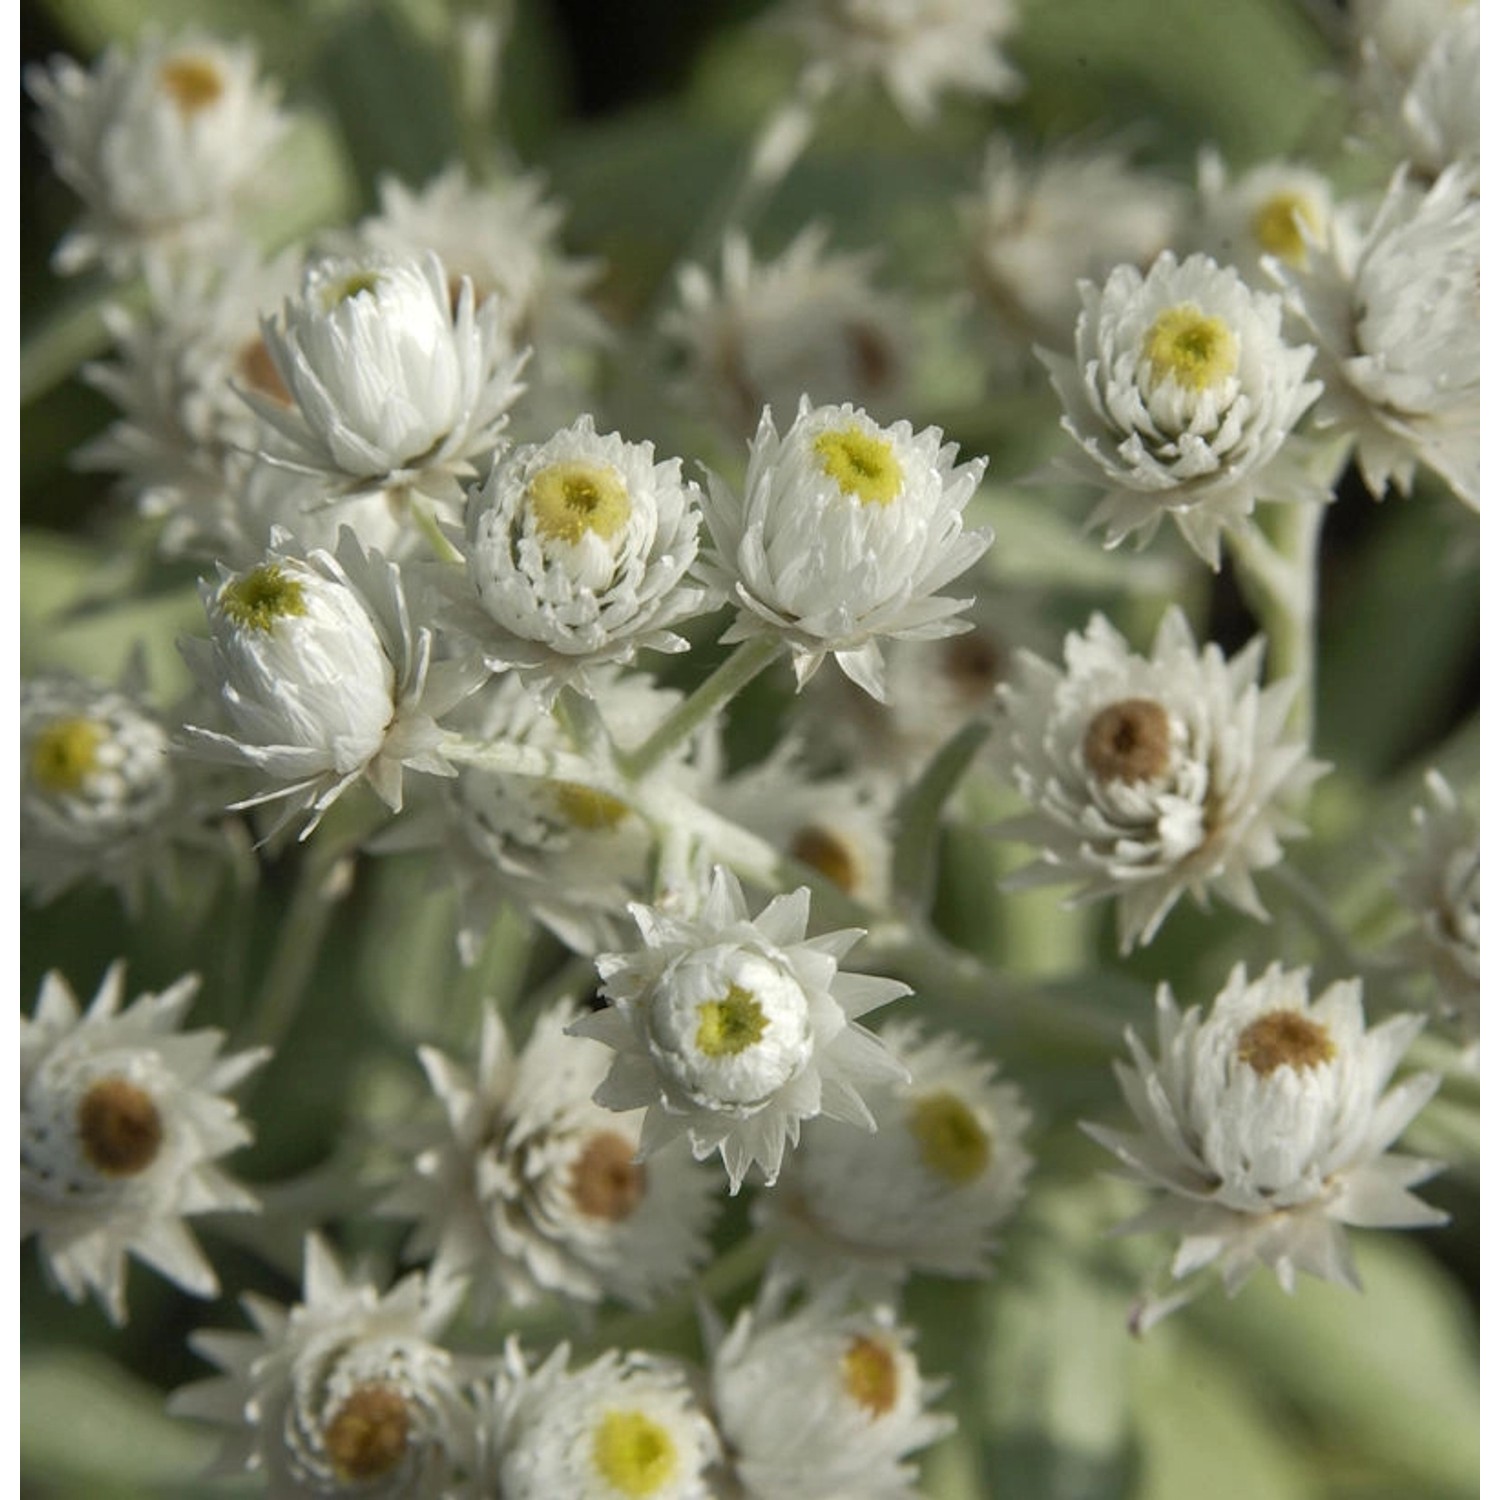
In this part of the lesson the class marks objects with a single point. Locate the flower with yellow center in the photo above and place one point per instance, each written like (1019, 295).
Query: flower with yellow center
(1278, 208)
(734, 1031)
(626, 1427)
(1180, 398)
(843, 534)
(577, 552)
(1265, 1125)
(928, 1191)
(123, 1119)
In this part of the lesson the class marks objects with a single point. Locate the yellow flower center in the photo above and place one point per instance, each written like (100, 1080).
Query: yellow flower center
(351, 286)
(570, 498)
(1188, 347)
(1278, 231)
(727, 1027)
(65, 753)
(870, 1375)
(860, 463)
(952, 1142)
(119, 1127)
(585, 808)
(369, 1433)
(1129, 741)
(828, 854)
(192, 83)
(607, 1181)
(262, 596)
(1285, 1038)
(636, 1455)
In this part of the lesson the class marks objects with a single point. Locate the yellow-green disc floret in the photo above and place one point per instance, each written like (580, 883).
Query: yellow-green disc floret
(259, 598)
(570, 498)
(635, 1454)
(861, 464)
(1187, 346)
(727, 1027)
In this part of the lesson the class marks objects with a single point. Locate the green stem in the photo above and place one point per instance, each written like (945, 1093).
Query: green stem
(745, 663)
(74, 333)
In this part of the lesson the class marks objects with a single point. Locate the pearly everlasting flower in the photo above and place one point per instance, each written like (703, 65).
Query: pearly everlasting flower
(734, 1031)
(164, 147)
(1151, 777)
(395, 384)
(576, 553)
(101, 796)
(1278, 208)
(926, 1192)
(822, 1404)
(843, 534)
(503, 236)
(1439, 123)
(916, 48)
(569, 856)
(1395, 313)
(1440, 888)
(1036, 228)
(123, 1120)
(530, 1187)
(810, 322)
(1180, 398)
(322, 678)
(347, 1393)
(1267, 1123)
(627, 1425)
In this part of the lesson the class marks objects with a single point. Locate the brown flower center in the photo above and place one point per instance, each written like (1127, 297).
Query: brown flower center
(607, 1181)
(192, 83)
(1285, 1038)
(1129, 741)
(258, 370)
(828, 855)
(870, 1375)
(973, 663)
(369, 1433)
(119, 1127)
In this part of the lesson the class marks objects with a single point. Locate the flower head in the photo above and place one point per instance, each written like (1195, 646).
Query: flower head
(122, 1121)
(926, 1192)
(322, 677)
(736, 1030)
(395, 385)
(162, 146)
(1278, 209)
(344, 1394)
(1152, 776)
(530, 1187)
(843, 535)
(627, 1425)
(822, 1402)
(916, 48)
(577, 551)
(1267, 1123)
(1180, 399)
(809, 322)
(1395, 312)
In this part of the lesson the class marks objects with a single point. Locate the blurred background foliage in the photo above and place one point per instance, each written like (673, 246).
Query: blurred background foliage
(636, 113)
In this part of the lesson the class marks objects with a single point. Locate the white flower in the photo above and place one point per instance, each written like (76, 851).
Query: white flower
(1035, 229)
(926, 1192)
(395, 384)
(1440, 111)
(1267, 1124)
(1440, 887)
(322, 677)
(822, 1404)
(344, 1394)
(735, 1031)
(503, 236)
(844, 534)
(916, 48)
(628, 1425)
(530, 1187)
(1395, 313)
(122, 1121)
(1277, 208)
(576, 552)
(101, 796)
(809, 322)
(1181, 397)
(163, 147)
(1152, 776)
